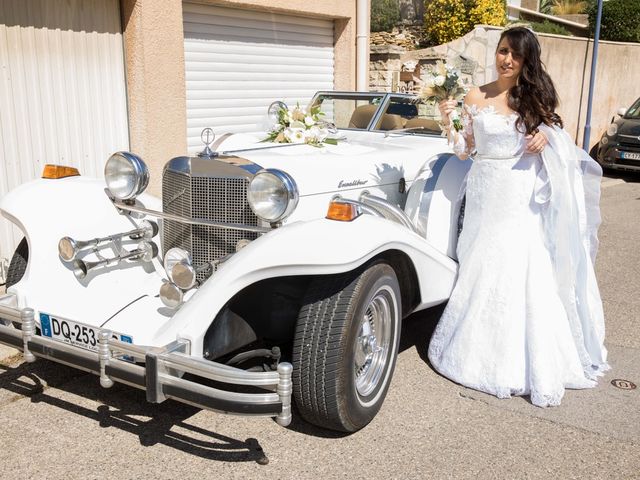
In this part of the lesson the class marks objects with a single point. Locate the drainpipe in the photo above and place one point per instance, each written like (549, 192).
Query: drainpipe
(362, 45)
(592, 80)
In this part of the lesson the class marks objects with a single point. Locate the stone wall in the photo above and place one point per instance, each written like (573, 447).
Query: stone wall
(384, 67)
(568, 61)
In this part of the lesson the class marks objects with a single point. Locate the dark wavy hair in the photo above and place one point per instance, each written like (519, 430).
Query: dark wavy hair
(534, 97)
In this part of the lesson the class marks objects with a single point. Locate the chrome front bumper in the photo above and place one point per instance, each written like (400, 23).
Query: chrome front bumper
(161, 375)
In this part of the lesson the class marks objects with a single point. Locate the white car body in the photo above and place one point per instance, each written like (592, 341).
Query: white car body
(124, 298)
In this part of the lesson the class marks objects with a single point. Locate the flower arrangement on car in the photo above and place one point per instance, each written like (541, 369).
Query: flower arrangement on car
(442, 82)
(299, 125)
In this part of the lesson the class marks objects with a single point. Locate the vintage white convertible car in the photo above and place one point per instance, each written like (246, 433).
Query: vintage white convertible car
(266, 271)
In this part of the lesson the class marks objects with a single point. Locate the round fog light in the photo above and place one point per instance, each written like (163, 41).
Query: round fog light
(171, 295)
(173, 257)
(183, 275)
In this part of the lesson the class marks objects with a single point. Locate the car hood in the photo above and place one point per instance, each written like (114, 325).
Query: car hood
(359, 161)
(629, 126)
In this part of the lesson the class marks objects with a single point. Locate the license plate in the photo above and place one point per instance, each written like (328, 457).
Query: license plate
(630, 155)
(74, 333)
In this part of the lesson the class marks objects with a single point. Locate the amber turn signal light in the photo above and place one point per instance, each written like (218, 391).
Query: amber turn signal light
(343, 212)
(59, 171)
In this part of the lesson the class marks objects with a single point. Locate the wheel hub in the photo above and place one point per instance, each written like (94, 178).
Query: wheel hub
(372, 344)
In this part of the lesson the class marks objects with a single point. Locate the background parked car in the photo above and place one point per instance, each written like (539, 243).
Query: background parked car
(619, 147)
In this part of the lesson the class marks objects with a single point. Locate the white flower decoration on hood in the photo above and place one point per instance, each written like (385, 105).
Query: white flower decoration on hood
(295, 135)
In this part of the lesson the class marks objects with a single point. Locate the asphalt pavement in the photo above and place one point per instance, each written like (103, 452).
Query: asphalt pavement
(57, 422)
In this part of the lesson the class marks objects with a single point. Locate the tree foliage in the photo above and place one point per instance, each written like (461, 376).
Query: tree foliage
(620, 20)
(385, 14)
(446, 20)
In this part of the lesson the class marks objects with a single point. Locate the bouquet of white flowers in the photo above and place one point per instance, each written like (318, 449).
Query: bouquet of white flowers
(296, 125)
(444, 82)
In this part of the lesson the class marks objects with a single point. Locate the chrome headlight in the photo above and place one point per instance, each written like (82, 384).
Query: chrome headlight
(126, 175)
(612, 129)
(272, 195)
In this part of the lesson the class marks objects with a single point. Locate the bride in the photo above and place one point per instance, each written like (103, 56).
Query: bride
(525, 316)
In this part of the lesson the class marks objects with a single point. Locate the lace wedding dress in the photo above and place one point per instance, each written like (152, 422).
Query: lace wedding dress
(507, 329)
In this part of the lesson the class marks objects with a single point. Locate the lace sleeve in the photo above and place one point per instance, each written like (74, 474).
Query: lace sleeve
(462, 141)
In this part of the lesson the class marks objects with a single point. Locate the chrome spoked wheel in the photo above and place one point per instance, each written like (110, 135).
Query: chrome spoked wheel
(372, 343)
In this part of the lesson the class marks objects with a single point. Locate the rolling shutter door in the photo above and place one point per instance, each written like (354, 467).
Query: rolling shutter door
(239, 61)
(62, 92)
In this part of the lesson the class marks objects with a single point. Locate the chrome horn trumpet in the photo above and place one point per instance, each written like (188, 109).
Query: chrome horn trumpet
(68, 248)
(145, 251)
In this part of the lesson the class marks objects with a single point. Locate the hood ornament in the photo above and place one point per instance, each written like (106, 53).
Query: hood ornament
(207, 136)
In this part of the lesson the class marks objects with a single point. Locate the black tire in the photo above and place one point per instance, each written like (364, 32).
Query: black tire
(331, 373)
(18, 264)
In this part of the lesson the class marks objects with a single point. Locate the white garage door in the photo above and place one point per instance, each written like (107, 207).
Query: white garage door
(62, 92)
(239, 61)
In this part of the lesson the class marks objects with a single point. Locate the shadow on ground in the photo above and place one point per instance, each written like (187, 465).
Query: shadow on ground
(629, 177)
(126, 408)
(417, 330)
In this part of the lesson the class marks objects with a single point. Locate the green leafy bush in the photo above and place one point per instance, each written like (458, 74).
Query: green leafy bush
(385, 14)
(620, 20)
(446, 20)
(549, 27)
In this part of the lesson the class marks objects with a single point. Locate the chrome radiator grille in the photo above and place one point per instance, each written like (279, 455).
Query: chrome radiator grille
(222, 199)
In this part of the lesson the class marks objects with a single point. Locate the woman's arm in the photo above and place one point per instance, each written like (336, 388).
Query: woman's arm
(462, 142)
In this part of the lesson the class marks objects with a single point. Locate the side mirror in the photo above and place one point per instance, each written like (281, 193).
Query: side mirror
(622, 111)
(273, 112)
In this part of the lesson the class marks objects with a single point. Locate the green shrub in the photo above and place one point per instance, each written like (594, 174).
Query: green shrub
(549, 27)
(620, 20)
(486, 12)
(446, 20)
(385, 14)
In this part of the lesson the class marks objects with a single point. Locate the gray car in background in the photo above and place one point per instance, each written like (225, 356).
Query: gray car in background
(619, 147)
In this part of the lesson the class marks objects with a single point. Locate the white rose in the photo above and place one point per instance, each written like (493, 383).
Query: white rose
(439, 80)
(294, 135)
(320, 133)
(308, 121)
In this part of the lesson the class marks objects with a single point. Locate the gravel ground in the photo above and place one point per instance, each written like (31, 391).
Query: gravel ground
(58, 423)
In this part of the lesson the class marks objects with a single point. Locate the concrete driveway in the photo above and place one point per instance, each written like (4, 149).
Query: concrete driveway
(58, 423)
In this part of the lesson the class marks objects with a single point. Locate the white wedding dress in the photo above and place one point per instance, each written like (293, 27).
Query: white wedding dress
(506, 330)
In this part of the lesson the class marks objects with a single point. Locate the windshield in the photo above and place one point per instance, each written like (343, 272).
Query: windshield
(349, 111)
(634, 110)
(406, 113)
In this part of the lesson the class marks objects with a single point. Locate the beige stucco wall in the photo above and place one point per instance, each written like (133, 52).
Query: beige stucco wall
(568, 61)
(154, 55)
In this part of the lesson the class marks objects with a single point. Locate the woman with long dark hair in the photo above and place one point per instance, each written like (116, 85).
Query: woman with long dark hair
(525, 316)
